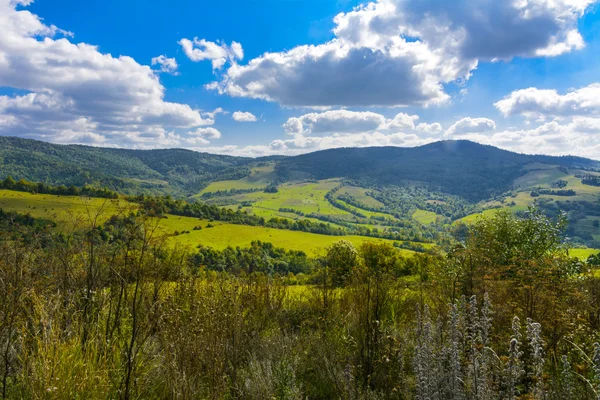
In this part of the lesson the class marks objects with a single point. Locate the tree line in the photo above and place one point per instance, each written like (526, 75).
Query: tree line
(23, 185)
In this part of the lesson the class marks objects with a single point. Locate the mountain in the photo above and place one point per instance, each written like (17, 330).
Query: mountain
(174, 171)
(463, 168)
(470, 170)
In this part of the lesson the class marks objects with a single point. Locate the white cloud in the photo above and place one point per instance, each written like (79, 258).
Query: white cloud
(551, 138)
(209, 132)
(540, 103)
(241, 116)
(74, 93)
(334, 121)
(168, 65)
(336, 74)
(402, 121)
(213, 114)
(578, 137)
(471, 125)
(345, 121)
(218, 53)
(425, 129)
(401, 52)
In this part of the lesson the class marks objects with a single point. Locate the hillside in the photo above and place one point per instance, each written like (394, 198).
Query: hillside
(463, 168)
(174, 171)
(472, 171)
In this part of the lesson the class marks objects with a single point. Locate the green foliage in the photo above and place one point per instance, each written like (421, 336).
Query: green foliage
(260, 257)
(41, 188)
(506, 237)
(592, 180)
(341, 259)
(114, 312)
(129, 171)
(271, 189)
(461, 168)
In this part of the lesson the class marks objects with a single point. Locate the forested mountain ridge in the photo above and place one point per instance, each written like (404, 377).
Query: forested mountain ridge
(462, 168)
(160, 171)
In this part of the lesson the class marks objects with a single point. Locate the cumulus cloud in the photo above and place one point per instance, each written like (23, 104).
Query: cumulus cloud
(74, 93)
(581, 136)
(211, 115)
(541, 103)
(165, 64)
(345, 128)
(401, 52)
(577, 137)
(402, 121)
(217, 53)
(471, 125)
(334, 121)
(345, 121)
(241, 116)
(209, 132)
(425, 129)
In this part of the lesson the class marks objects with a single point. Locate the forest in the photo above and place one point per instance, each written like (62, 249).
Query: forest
(115, 311)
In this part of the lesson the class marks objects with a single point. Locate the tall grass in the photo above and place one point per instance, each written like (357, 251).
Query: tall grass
(115, 313)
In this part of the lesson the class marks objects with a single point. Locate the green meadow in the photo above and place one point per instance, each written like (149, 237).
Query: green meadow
(259, 178)
(222, 235)
(425, 217)
(70, 211)
(305, 198)
(294, 201)
(361, 195)
(583, 254)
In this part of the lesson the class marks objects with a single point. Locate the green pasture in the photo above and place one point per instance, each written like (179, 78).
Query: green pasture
(259, 178)
(79, 211)
(540, 175)
(360, 194)
(583, 254)
(368, 213)
(223, 235)
(70, 210)
(306, 198)
(425, 217)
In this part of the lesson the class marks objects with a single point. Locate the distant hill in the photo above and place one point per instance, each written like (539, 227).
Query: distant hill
(467, 169)
(175, 171)
(463, 168)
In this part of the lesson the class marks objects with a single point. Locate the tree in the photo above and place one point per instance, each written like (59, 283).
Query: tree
(594, 260)
(9, 182)
(521, 261)
(341, 259)
(372, 292)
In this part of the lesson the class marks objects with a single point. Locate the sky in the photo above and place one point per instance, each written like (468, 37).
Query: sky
(263, 77)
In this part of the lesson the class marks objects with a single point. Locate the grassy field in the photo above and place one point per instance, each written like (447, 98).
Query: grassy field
(368, 213)
(543, 178)
(71, 210)
(540, 175)
(65, 210)
(583, 254)
(306, 198)
(425, 217)
(360, 194)
(259, 178)
(224, 235)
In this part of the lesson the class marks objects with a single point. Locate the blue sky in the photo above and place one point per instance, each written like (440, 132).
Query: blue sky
(291, 76)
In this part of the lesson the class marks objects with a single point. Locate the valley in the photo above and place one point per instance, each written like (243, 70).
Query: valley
(410, 207)
(245, 254)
